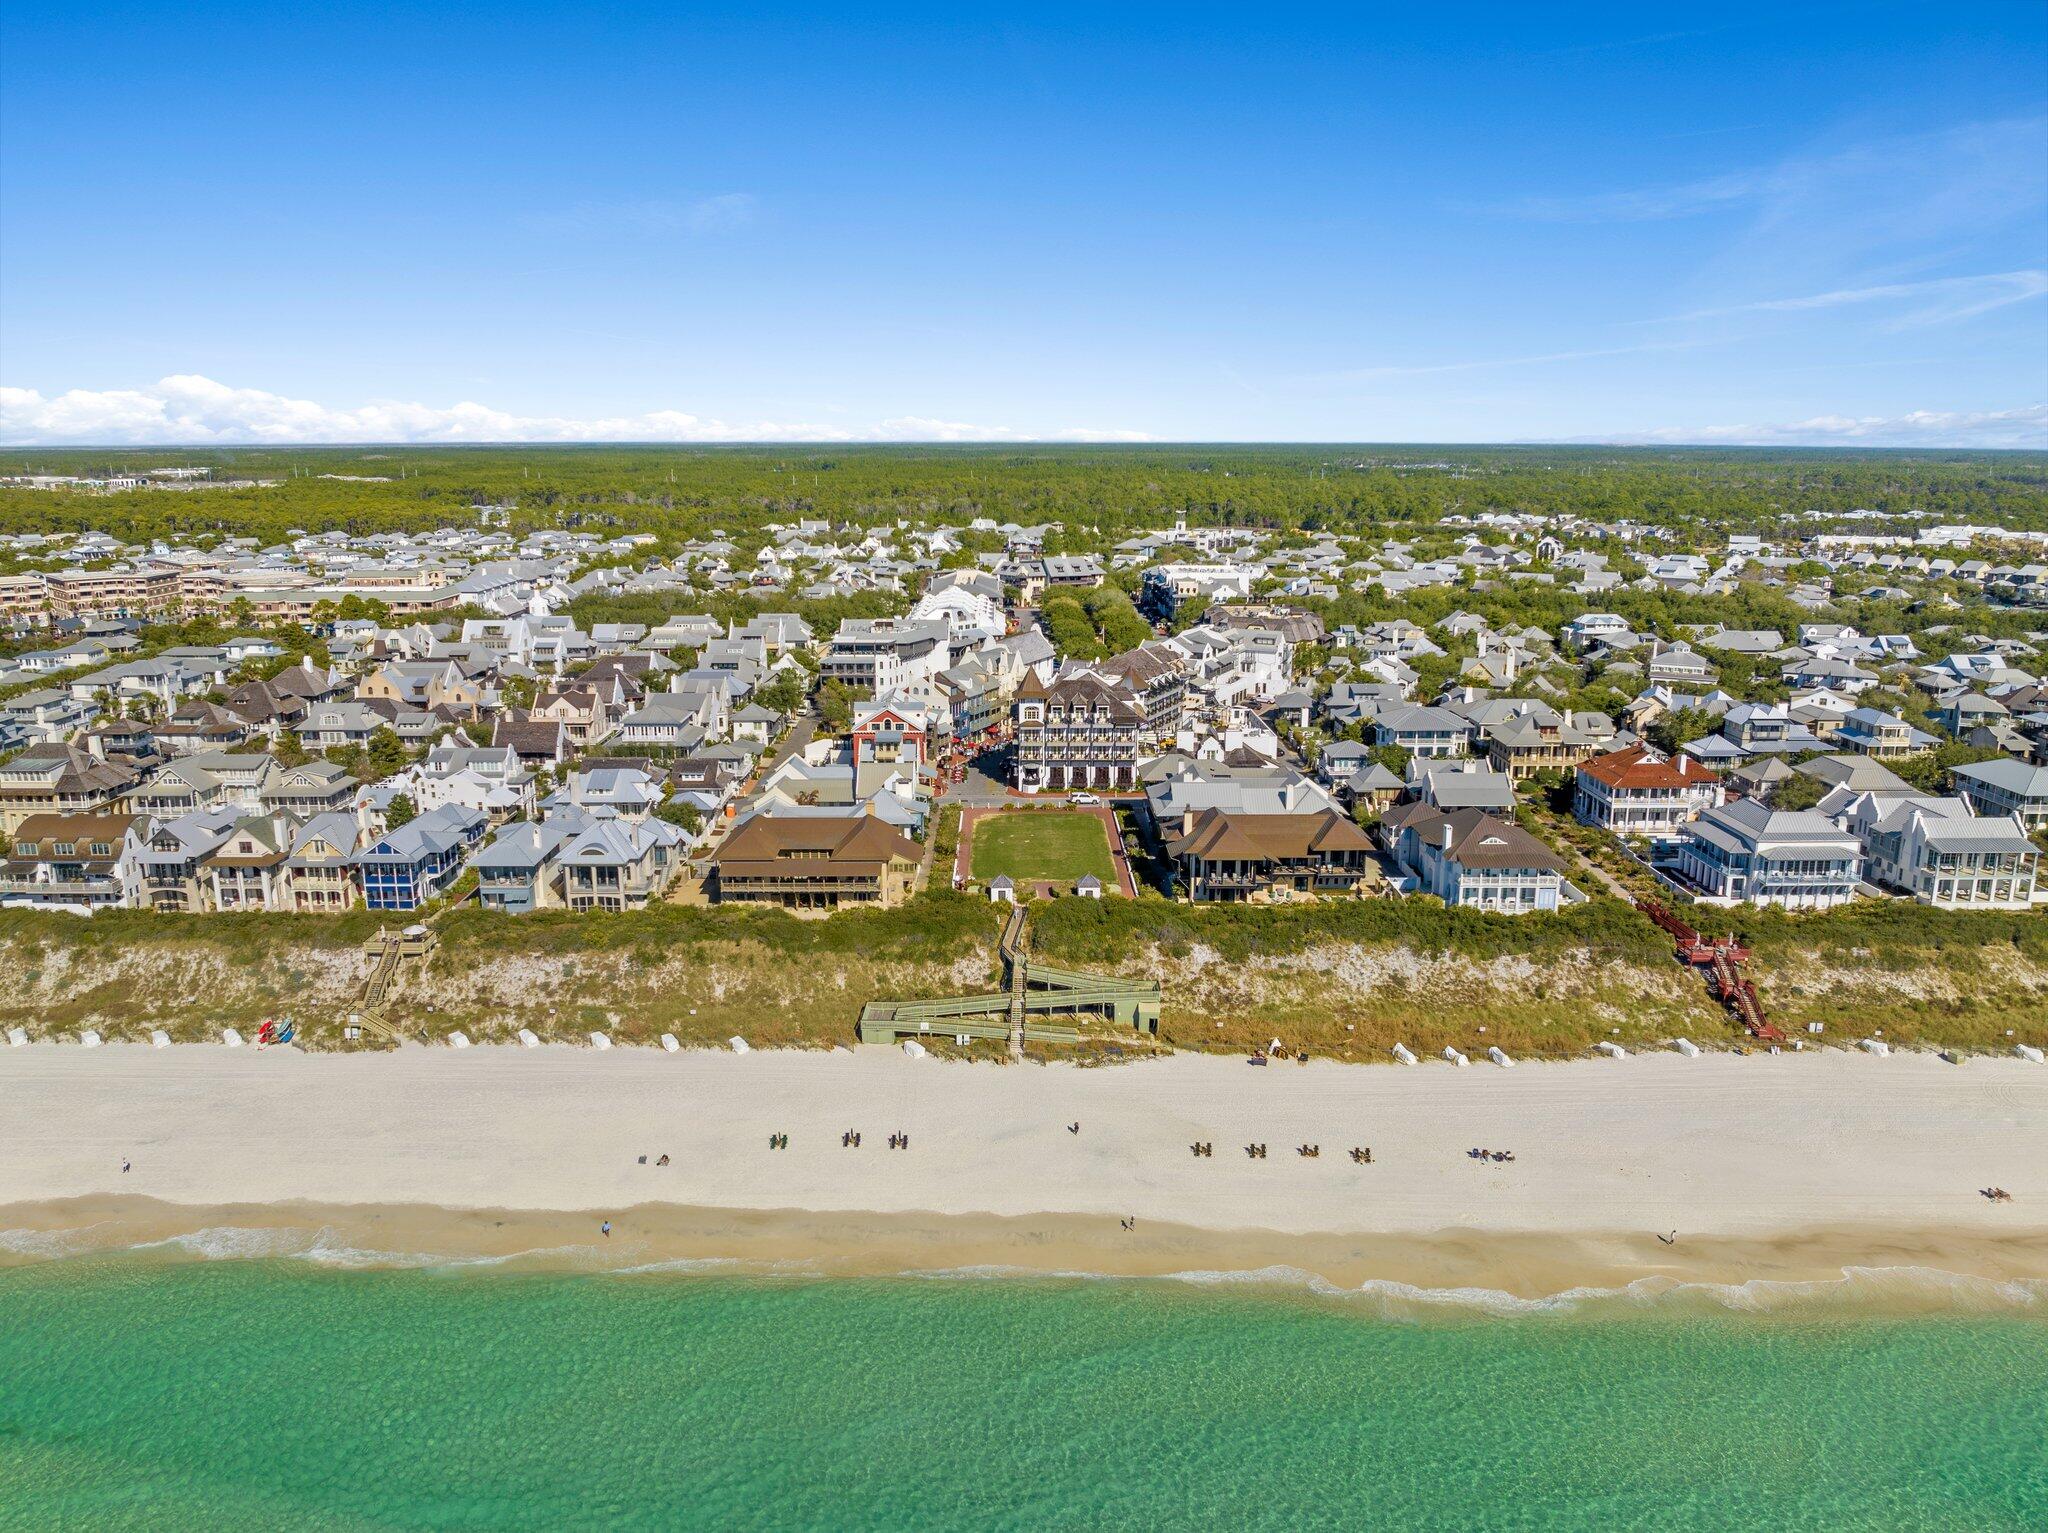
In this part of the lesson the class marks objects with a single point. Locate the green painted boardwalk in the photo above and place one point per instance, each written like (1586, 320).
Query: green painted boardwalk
(1024, 1012)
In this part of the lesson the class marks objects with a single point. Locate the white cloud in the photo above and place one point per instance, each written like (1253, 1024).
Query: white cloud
(2026, 426)
(1367, 374)
(722, 214)
(1931, 302)
(1924, 183)
(188, 410)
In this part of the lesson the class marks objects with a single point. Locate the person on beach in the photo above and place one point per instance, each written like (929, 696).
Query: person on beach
(606, 1228)
(124, 1165)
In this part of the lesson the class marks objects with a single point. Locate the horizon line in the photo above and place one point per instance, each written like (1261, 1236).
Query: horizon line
(1064, 444)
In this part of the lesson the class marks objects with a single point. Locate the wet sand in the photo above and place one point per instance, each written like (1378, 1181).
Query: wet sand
(1888, 1268)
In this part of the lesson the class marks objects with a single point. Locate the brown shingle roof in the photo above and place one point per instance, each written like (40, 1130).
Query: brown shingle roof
(1482, 840)
(31, 841)
(1217, 833)
(787, 844)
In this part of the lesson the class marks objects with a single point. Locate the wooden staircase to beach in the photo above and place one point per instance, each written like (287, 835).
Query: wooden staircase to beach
(1726, 962)
(1037, 1004)
(391, 950)
(1016, 938)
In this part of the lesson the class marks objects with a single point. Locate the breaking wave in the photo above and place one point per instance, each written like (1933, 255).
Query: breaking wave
(1889, 1288)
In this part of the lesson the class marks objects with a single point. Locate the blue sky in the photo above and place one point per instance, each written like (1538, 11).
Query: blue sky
(1721, 223)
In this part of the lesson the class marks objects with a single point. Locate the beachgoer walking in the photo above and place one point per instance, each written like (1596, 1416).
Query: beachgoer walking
(606, 1227)
(124, 1165)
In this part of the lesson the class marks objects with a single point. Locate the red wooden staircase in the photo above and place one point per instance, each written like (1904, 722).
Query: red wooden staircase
(1726, 962)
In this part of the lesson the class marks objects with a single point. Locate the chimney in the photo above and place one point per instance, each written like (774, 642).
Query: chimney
(1447, 835)
(1684, 763)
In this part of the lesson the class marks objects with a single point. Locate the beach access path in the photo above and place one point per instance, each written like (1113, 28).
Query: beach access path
(1734, 1145)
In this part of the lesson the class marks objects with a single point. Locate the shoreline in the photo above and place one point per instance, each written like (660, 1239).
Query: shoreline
(1889, 1270)
(1782, 1170)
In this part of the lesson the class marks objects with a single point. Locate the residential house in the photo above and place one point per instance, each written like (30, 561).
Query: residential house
(406, 867)
(1678, 666)
(1638, 791)
(60, 780)
(1992, 788)
(1221, 855)
(80, 863)
(126, 741)
(1543, 741)
(1448, 785)
(308, 789)
(616, 864)
(709, 777)
(675, 720)
(46, 715)
(320, 873)
(587, 711)
(339, 725)
(248, 871)
(1471, 858)
(196, 726)
(757, 724)
(1883, 736)
(172, 855)
(1748, 852)
(1423, 731)
(1939, 852)
(243, 777)
(537, 742)
(1183, 789)
(813, 862)
(1766, 728)
(1830, 671)
(1967, 711)
(428, 685)
(1369, 791)
(1592, 629)
(891, 729)
(620, 791)
(518, 871)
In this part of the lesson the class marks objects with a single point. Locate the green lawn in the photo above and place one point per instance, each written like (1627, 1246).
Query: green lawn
(1043, 845)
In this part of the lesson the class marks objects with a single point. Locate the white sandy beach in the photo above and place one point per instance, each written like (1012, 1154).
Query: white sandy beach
(1721, 1145)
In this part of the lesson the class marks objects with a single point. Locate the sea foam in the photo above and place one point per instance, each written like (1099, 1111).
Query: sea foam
(1916, 1287)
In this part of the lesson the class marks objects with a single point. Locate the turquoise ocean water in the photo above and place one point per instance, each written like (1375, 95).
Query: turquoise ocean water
(140, 1392)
